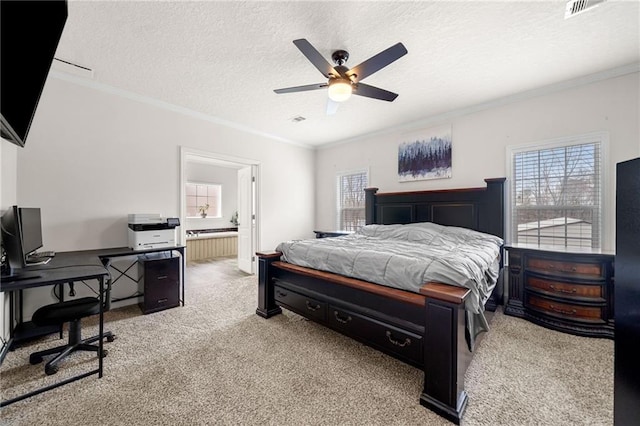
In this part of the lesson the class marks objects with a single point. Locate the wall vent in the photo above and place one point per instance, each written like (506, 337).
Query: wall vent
(574, 7)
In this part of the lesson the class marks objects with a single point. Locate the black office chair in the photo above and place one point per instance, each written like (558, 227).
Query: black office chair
(71, 311)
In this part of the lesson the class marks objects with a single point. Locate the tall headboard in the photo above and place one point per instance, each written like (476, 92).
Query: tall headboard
(481, 209)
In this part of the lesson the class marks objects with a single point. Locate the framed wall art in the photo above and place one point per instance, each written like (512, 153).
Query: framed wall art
(425, 155)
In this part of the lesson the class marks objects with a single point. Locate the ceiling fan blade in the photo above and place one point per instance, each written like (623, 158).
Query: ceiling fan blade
(377, 62)
(301, 88)
(316, 58)
(362, 89)
(332, 107)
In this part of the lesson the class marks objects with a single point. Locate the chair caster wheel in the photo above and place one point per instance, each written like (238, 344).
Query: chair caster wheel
(104, 353)
(111, 338)
(51, 370)
(35, 359)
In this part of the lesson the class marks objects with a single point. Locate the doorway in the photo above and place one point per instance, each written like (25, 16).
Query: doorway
(244, 205)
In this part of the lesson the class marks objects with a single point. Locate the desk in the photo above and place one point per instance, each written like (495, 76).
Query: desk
(68, 267)
(65, 267)
(26, 330)
(106, 255)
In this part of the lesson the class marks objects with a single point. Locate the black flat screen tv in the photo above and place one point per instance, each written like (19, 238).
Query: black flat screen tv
(29, 36)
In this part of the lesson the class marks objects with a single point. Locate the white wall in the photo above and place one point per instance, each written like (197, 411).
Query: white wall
(225, 176)
(480, 140)
(94, 156)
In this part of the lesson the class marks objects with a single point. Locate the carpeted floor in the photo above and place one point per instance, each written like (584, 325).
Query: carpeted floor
(214, 361)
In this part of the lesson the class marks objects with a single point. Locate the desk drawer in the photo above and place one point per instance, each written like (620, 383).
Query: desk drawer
(301, 304)
(570, 311)
(401, 343)
(157, 270)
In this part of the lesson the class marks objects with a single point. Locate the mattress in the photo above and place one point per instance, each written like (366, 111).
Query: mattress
(407, 257)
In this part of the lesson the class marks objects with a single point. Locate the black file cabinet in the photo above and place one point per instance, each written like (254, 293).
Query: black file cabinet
(161, 281)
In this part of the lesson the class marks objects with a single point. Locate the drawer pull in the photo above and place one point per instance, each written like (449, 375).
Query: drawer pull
(311, 307)
(562, 311)
(161, 277)
(561, 290)
(406, 342)
(341, 320)
(281, 293)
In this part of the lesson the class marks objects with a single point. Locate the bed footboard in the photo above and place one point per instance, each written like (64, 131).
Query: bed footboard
(426, 330)
(446, 355)
(266, 301)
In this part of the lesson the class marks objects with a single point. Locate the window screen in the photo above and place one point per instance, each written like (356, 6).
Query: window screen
(556, 198)
(351, 206)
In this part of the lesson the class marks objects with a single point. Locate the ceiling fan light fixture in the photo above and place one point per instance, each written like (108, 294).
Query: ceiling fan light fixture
(339, 89)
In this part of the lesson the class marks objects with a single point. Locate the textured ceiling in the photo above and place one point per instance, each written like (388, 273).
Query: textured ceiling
(223, 59)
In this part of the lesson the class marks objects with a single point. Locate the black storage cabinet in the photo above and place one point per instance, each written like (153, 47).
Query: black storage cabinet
(627, 295)
(160, 276)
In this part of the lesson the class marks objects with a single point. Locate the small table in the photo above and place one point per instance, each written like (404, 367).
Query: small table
(329, 234)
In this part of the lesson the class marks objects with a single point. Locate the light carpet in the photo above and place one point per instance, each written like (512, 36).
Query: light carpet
(214, 361)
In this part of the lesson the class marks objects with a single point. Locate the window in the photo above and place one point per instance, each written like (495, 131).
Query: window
(351, 207)
(556, 193)
(201, 194)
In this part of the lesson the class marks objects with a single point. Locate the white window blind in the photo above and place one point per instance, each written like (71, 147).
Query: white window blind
(351, 206)
(201, 194)
(556, 195)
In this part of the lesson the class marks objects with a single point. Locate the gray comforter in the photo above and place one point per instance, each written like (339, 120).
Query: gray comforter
(406, 257)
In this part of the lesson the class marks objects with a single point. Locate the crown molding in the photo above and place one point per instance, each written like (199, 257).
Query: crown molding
(516, 97)
(168, 106)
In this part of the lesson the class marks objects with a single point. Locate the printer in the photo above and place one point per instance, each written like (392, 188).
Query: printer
(151, 231)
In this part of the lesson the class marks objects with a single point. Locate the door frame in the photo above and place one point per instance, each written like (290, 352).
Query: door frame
(220, 160)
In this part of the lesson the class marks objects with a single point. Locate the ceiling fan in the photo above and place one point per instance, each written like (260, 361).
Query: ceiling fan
(344, 81)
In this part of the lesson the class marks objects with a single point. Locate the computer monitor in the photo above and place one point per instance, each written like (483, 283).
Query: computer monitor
(13, 241)
(31, 228)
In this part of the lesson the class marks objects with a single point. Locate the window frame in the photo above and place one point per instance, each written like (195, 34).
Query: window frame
(338, 194)
(596, 137)
(218, 213)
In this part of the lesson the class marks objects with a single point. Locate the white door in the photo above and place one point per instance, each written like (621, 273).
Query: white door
(246, 220)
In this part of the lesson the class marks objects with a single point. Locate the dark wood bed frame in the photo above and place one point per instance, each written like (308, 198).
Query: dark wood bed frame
(426, 330)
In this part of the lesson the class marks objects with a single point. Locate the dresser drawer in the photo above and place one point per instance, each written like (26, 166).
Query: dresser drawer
(399, 342)
(549, 266)
(584, 292)
(303, 305)
(589, 314)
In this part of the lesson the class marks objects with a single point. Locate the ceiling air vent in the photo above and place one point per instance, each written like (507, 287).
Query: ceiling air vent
(575, 7)
(298, 118)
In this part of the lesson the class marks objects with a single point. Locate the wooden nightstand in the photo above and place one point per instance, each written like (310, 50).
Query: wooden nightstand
(569, 291)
